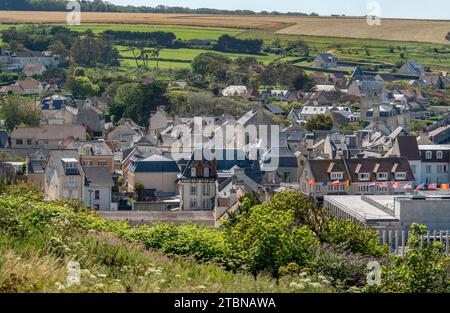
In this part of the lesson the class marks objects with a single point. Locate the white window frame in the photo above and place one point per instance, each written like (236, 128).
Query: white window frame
(439, 155)
(400, 176)
(364, 176)
(206, 190)
(193, 190)
(337, 175)
(382, 176)
(428, 155)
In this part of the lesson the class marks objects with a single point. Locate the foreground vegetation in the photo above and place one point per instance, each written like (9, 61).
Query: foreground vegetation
(285, 245)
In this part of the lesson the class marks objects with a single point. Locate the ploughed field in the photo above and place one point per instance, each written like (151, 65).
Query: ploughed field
(390, 29)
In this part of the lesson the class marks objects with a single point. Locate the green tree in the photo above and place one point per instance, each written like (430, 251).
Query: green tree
(18, 111)
(82, 87)
(319, 122)
(267, 240)
(421, 270)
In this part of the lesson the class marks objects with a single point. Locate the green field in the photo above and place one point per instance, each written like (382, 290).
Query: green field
(182, 32)
(435, 56)
(185, 54)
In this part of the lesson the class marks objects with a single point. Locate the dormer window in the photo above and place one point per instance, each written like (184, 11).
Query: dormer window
(193, 171)
(70, 166)
(364, 176)
(382, 176)
(337, 175)
(206, 172)
(439, 155)
(400, 176)
(428, 155)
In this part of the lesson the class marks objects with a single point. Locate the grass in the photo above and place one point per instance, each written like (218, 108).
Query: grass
(184, 55)
(183, 33)
(38, 240)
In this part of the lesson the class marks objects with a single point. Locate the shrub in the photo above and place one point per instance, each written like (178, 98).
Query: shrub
(422, 270)
(268, 239)
(348, 235)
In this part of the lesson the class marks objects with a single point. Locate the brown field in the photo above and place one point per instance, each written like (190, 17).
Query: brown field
(391, 29)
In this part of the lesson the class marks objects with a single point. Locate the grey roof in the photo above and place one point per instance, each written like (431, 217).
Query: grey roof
(98, 177)
(155, 163)
(36, 166)
(91, 147)
(55, 163)
(274, 109)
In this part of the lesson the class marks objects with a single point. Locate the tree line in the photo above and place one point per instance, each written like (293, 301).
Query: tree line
(157, 38)
(228, 43)
(86, 49)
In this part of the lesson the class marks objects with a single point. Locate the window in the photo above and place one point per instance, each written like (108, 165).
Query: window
(193, 190)
(428, 169)
(206, 172)
(363, 188)
(400, 176)
(87, 163)
(29, 142)
(193, 203)
(19, 141)
(428, 155)
(440, 168)
(206, 190)
(193, 172)
(364, 176)
(337, 175)
(207, 204)
(382, 176)
(102, 163)
(97, 195)
(439, 155)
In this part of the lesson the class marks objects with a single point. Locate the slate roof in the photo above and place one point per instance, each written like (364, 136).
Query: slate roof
(98, 177)
(378, 165)
(50, 132)
(285, 157)
(274, 109)
(322, 169)
(227, 159)
(155, 163)
(408, 147)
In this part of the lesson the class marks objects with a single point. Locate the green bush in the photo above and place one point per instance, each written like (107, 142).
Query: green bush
(348, 235)
(267, 239)
(422, 270)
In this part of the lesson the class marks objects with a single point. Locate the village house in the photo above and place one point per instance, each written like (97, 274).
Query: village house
(156, 172)
(356, 176)
(29, 139)
(278, 95)
(325, 60)
(411, 68)
(64, 176)
(93, 153)
(234, 91)
(98, 188)
(92, 119)
(198, 180)
(33, 69)
(158, 121)
(24, 87)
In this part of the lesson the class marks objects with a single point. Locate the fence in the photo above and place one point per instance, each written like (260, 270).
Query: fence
(397, 240)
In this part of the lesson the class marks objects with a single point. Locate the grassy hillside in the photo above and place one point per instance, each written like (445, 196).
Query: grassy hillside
(39, 239)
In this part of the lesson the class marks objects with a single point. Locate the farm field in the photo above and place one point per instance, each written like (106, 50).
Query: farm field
(431, 31)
